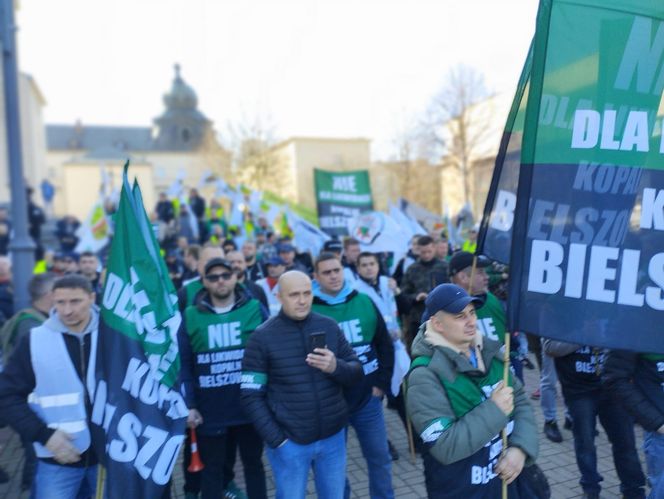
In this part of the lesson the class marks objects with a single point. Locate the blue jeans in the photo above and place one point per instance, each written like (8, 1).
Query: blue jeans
(653, 447)
(548, 390)
(619, 429)
(369, 424)
(291, 463)
(53, 481)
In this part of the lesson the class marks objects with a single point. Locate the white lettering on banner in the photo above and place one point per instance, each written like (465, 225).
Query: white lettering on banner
(481, 475)
(352, 331)
(589, 225)
(341, 197)
(132, 441)
(225, 367)
(129, 302)
(660, 367)
(652, 209)
(605, 178)
(604, 278)
(502, 217)
(585, 367)
(586, 133)
(217, 380)
(125, 449)
(141, 384)
(329, 222)
(487, 328)
(644, 53)
(224, 335)
(345, 183)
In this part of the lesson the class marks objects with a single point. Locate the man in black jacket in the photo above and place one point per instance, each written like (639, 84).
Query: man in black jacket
(212, 339)
(294, 393)
(420, 278)
(579, 369)
(365, 330)
(43, 395)
(637, 380)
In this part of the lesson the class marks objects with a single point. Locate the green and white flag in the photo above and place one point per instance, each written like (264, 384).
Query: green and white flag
(138, 416)
(587, 264)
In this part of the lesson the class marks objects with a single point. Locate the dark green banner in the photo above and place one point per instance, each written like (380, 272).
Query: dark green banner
(587, 263)
(341, 196)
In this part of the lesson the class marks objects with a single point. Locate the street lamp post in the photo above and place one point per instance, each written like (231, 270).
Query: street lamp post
(21, 246)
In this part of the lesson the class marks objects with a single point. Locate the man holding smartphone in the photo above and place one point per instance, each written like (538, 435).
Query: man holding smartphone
(294, 392)
(365, 330)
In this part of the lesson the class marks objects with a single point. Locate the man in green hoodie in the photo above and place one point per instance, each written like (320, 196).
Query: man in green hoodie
(459, 404)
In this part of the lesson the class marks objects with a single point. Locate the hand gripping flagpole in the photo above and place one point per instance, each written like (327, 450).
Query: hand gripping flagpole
(506, 367)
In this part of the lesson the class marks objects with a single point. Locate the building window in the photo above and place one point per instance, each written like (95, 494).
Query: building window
(186, 135)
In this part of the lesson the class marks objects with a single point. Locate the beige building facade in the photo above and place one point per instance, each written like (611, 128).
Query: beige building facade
(294, 161)
(33, 137)
(180, 145)
(297, 157)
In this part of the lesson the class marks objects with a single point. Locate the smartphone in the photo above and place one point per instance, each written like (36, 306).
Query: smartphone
(317, 340)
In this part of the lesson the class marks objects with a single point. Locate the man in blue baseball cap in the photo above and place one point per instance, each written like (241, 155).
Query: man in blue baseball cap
(459, 404)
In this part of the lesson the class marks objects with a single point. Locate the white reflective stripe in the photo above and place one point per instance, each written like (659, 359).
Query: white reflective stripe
(70, 427)
(55, 400)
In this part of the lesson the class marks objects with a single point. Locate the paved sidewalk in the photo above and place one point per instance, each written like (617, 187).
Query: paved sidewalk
(557, 461)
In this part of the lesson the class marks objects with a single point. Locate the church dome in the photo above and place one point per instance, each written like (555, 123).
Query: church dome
(181, 96)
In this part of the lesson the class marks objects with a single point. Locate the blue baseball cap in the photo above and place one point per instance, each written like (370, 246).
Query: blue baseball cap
(286, 248)
(449, 298)
(275, 260)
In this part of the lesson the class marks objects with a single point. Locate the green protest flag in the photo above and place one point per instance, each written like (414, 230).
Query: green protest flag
(139, 298)
(586, 257)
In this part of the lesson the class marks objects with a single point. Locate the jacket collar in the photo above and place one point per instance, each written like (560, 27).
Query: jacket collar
(436, 339)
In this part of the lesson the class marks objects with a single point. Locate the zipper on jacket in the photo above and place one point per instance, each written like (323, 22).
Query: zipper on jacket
(81, 344)
(313, 382)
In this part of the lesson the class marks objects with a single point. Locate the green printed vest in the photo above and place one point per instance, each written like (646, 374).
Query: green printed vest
(464, 394)
(191, 290)
(357, 319)
(217, 344)
(491, 319)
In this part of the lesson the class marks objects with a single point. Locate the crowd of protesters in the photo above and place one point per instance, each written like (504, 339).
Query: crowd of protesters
(316, 343)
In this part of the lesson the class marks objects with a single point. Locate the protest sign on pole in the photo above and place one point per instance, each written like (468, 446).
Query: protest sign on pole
(587, 264)
(339, 197)
(138, 414)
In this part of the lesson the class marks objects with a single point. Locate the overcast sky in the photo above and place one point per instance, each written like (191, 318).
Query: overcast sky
(340, 68)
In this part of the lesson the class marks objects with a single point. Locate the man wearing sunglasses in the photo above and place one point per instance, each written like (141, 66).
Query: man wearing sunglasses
(212, 340)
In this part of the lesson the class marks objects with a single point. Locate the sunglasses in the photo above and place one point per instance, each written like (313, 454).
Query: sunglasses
(226, 276)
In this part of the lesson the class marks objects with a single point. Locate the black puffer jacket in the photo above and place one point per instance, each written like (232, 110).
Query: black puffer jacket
(283, 395)
(637, 380)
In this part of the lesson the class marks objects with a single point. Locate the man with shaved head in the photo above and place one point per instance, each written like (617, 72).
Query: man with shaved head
(294, 370)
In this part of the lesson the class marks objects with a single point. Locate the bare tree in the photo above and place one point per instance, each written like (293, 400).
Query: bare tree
(453, 125)
(251, 141)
